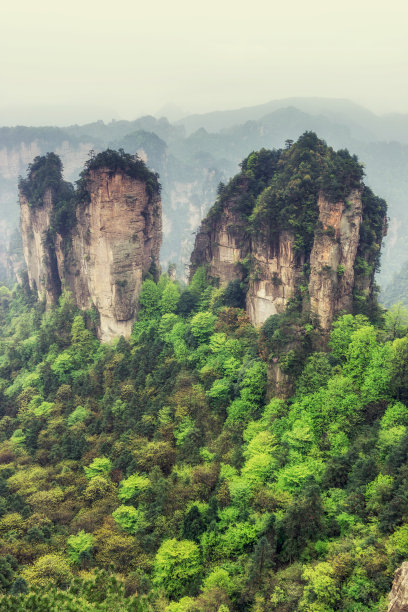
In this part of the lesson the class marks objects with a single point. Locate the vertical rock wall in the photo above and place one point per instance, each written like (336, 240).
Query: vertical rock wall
(38, 253)
(332, 258)
(115, 240)
(222, 246)
(274, 276)
(276, 272)
(398, 597)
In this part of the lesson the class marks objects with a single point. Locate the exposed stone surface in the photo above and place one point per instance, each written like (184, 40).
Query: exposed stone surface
(222, 246)
(186, 195)
(274, 278)
(398, 596)
(40, 258)
(275, 269)
(116, 238)
(332, 258)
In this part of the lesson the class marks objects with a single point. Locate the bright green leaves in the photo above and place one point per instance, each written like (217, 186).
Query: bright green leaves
(149, 299)
(321, 592)
(202, 326)
(83, 342)
(397, 545)
(79, 415)
(130, 519)
(252, 389)
(341, 334)
(396, 414)
(359, 351)
(132, 486)
(101, 466)
(169, 298)
(177, 563)
(80, 546)
(47, 570)
(260, 461)
(63, 365)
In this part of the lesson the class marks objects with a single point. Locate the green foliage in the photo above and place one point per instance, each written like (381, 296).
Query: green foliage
(45, 175)
(321, 587)
(219, 579)
(79, 415)
(80, 546)
(130, 519)
(8, 567)
(176, 565)
(132, 486)
(48, 569)
(149, 298)
(169, 298)
(199, 282)
(163, 459)
(290, 200)
(101, 466)
(202, 325)
(118, 161)
(341, 334)
(397, 545)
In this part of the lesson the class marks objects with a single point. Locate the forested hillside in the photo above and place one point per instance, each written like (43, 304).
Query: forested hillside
(158, 474)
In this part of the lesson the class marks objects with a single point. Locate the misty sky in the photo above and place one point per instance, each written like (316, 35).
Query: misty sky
(79, 60)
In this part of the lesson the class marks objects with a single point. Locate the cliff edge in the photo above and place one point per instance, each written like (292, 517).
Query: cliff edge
(98, 241)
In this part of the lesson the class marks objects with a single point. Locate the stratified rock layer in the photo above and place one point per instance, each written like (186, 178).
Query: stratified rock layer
(115, 240)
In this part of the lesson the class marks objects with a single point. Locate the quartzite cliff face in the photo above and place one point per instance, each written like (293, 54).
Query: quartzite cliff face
(306, 229)
(398, 598)
(113, 239)
(39, 255)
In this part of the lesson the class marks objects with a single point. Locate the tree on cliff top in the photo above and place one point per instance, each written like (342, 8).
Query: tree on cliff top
(45, 172)
(118, 161)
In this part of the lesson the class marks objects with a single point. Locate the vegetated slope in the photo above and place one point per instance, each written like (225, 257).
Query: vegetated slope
(157, 474)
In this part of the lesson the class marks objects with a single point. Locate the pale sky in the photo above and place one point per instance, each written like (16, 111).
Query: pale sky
(80, 60)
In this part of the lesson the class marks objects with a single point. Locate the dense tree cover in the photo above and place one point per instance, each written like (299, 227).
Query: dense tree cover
(278, 190)
(116, 161)
(45, 175)
(157, 473)
(305, 169)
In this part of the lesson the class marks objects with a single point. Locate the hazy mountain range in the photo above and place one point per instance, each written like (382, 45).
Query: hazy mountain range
(195, 153)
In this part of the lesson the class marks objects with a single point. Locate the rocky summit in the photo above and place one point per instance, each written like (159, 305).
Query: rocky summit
(296, 224)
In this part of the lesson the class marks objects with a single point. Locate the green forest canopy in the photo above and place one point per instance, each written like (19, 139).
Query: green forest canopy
(156, 474)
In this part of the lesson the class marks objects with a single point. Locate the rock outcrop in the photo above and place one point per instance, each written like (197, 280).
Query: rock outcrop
(332, 273)
(297, 226)
(276, 270)
(39, 255)
(398, 597)
(108, 241)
